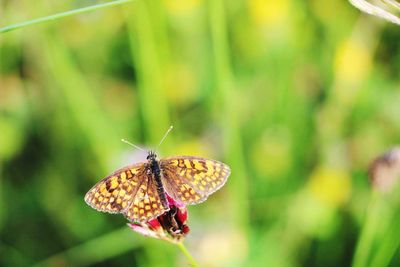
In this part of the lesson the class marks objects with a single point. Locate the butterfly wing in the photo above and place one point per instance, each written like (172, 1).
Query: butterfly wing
(190, 180)
(126, 191)
(146, 204)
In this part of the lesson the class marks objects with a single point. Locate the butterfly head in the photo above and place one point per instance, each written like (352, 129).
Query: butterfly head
(151, 156)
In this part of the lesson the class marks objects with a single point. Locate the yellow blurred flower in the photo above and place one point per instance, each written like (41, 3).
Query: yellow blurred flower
(267, 12)
(331, 186)
(352, 61)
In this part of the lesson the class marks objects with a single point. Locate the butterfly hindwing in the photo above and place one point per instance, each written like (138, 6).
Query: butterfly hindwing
(146, 204)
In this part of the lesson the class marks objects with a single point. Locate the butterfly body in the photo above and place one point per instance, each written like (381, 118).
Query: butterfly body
(154, 169)
(139, 191)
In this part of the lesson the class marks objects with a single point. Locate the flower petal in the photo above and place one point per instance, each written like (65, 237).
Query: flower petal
(375, 10)
(173, 202)
(154, 224)
(384, 171)
(182, 215)
(143, 230)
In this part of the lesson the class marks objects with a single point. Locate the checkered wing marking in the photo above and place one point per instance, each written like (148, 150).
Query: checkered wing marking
(146, 204)
(191, 180)
(115, 193)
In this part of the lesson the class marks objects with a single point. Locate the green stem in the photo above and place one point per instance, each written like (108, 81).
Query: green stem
(368, 232)
(389, 245)
(226, 104)
(61, 15)
(390, 242)
(187, 254)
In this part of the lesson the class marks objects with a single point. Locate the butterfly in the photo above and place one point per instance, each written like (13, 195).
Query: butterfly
(139, 191)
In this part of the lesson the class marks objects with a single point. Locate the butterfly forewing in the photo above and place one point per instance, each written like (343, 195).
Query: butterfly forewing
(191, 180)
(126, 191)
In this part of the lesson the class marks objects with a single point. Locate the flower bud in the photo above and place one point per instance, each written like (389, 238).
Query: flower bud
(384, 171)
(170, 226)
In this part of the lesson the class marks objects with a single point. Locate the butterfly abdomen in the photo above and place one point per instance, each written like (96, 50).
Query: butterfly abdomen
(155, 169)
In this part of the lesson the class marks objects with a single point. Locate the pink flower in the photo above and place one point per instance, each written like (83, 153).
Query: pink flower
(170, 226)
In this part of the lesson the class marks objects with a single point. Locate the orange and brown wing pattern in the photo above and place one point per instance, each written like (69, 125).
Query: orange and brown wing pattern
(115, 193)
(191, 180)
(130, 191)
(146, 204)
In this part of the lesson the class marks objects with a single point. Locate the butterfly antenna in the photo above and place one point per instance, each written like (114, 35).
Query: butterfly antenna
(135, 146)
(165, 135)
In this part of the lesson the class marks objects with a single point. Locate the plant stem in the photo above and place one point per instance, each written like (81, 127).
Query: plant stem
(389, 245)
(390, 242)
(61, 15)
(371, 224)
(187, 254)
(226, 103)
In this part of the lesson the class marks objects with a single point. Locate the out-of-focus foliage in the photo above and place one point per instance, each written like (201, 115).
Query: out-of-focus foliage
(296, 96)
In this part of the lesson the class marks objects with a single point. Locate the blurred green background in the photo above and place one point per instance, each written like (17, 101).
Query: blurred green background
(296, 96)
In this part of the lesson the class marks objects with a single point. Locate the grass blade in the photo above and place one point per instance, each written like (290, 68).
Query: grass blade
(61, 15)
